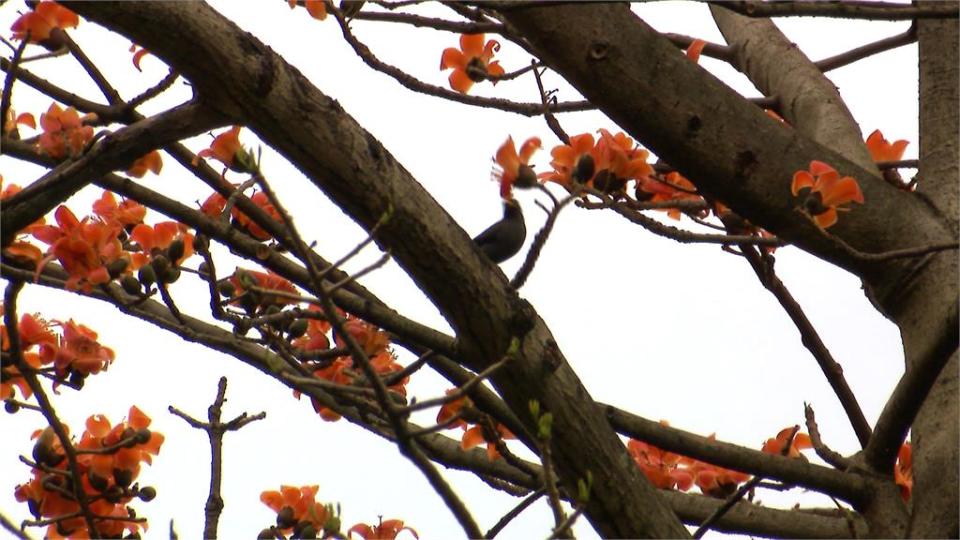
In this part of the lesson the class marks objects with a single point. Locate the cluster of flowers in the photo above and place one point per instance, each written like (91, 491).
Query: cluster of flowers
(667, 470)
(299, 515)
(108, 462)
(266, 293)
(73, 352)
(341, 370)
(111, 244)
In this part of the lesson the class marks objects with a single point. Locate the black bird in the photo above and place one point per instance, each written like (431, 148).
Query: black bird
(504, 238)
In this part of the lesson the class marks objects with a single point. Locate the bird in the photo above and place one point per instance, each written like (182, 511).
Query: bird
(504, 238)
(350, 8)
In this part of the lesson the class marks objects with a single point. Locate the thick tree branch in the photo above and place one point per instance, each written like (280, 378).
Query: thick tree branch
(846, 9)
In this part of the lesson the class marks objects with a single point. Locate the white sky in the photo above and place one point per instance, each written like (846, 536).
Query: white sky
(680, 332)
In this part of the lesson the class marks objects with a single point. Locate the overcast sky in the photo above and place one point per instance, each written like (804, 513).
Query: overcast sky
(669, 331)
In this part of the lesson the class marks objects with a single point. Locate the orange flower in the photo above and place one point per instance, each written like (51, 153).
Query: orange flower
(36, 331)
(451, 408)
(369, 337)
(215, 204)
(100, 434)
(662, 468)
(64, 133)
(316, 8)
(574, 162)
(244, 279)
(903, 471)
(386, 530)
(125, 214)
(694, 50)
(801, 441)
(716, 481)
(822, 191)
(302, 506)
(883, 150)
(619, 161)
(471, 62)
(514, 169)
(41, 23)
(84, 248)
(315, 338)
(13, 120)
(156, 239)
(151, 162)
(607, 165)
(80, 351)
(138, 55)
(672, 187)
(226, 148)
(475, 435)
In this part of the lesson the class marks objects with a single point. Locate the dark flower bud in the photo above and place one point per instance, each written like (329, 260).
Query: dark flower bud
(285, 518)
(123, 477)
(130, 285)
(226, 289)
(176, 250)
(297, 328)
(147, 494)
(584, 169)
(98, 482)
(160, 264)
(147, 275)
(117, 267)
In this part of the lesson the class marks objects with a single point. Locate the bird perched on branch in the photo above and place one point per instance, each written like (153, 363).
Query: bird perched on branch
(504, 238)
(350, 8)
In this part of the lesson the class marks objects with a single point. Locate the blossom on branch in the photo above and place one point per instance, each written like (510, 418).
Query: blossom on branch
(386, 530)
(471, 63)
(64, 132)
(883, 150)
(822, 191)
(513, 169)
(316, 8)
(44, 23)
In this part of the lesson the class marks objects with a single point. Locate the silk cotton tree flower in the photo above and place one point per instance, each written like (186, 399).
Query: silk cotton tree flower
(471, 63)
(513, 168)
(822, 191)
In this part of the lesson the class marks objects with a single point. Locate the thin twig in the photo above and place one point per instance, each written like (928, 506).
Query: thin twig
(514, 512)
(562, 531)
(822, 450)
(154, 91)
(540, 240)
(763, 267)
(215, 430)
(412, 83)
(859, 53)
(109, 92)
(460, 392)
(8, 84)
(548, 116)
(12, 527)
